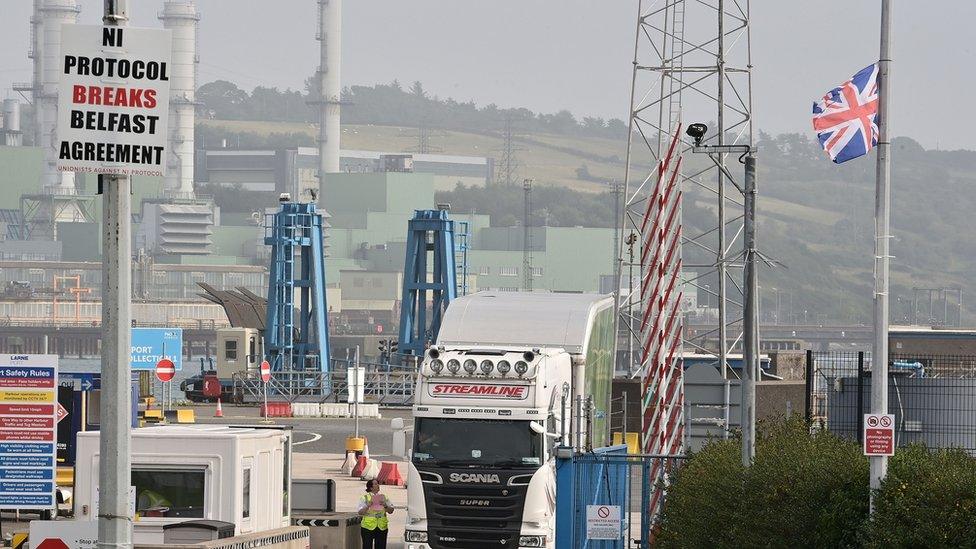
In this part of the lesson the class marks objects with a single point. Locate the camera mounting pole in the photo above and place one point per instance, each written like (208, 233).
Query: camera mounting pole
(750, 314)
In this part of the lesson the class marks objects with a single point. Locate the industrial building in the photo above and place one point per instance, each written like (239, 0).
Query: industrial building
(295, 171)
(369, 214)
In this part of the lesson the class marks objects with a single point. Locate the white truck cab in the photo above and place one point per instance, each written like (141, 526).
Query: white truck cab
(488, 415)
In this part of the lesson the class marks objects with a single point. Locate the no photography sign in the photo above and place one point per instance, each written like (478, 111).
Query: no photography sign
(113, 101)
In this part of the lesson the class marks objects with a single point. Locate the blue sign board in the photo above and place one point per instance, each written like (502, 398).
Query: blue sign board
(28, 429)
(150, 345)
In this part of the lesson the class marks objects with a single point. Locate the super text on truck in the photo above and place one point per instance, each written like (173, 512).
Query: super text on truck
(511, 377)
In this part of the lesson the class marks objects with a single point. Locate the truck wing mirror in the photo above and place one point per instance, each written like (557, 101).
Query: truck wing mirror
(537, 427)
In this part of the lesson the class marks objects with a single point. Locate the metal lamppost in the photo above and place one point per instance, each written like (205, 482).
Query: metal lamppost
(750, 366)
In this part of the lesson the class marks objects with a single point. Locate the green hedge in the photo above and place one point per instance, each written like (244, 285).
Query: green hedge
(811, 490)
(802, 491)
(928, 499)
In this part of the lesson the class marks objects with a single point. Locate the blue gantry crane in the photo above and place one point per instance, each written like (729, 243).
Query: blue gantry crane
(430, 266)
(296, 333)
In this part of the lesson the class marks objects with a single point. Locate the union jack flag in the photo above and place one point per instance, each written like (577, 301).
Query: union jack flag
(846, 119)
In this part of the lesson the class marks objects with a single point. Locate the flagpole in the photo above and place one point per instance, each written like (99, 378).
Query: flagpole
(879, 362)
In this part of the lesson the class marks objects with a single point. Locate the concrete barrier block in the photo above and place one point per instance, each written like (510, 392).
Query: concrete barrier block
(306, 409)
(371, 471)
(371, 411)
(333, 409)
(332, 530)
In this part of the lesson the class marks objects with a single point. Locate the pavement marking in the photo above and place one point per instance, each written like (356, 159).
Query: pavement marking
(315, 436)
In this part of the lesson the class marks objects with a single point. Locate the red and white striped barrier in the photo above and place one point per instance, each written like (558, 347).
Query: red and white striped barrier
(660, 327)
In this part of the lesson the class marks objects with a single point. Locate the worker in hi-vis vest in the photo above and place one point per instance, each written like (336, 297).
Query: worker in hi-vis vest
(374, 507)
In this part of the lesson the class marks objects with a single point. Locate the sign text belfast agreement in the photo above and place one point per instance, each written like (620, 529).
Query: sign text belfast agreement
(113, 100)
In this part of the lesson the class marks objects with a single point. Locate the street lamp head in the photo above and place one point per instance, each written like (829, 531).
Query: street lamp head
(697, 132)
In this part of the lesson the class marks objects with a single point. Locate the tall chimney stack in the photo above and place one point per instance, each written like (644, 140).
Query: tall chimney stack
(53, 14)
(181, 17)
(330, 38)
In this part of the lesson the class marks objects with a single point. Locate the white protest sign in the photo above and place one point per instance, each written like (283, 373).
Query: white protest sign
(113, 100)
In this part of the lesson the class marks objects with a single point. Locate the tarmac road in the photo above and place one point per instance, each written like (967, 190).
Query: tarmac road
(318, 435)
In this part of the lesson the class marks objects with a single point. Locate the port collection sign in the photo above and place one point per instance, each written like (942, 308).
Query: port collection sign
(113, 100)
(28, 419)
(151, 345)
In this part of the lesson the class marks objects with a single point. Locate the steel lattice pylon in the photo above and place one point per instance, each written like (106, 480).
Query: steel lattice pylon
(691, 59)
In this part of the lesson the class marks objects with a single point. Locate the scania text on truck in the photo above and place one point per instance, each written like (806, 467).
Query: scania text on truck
(511, 377)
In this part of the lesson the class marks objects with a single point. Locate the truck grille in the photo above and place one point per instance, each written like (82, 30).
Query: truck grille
(474, 516)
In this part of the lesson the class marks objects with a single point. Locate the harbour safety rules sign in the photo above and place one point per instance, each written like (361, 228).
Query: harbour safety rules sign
(28, 420)
(113, 101)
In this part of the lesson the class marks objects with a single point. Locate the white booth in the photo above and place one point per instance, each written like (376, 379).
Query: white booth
(240, 475)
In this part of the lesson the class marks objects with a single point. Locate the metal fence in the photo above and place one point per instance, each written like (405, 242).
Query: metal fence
(381, 385)
(933, 397)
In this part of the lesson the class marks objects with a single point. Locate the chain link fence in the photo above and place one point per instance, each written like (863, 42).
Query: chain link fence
(933, 397)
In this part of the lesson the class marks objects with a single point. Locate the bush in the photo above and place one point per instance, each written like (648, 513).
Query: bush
(704, 499)
(928, 499)
(802, 490)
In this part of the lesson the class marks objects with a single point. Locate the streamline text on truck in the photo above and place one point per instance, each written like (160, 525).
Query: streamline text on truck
(511, 377)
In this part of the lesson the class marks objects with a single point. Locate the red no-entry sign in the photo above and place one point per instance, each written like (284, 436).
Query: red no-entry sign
(265, 371)
(165, 370)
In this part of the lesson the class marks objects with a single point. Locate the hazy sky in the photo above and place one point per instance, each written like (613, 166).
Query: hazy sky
(549, 55)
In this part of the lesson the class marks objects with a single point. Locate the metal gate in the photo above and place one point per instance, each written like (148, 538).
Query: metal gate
(604, 498)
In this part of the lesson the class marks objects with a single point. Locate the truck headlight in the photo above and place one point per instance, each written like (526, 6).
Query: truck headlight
(453, 366)
(470, 366)
(416, 536)
(521, 367)
(532, 541)
(436, 365)
(504, 367)
(486, 366)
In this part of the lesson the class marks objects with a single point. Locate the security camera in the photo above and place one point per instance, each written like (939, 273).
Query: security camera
(697, 132)
(284, 197)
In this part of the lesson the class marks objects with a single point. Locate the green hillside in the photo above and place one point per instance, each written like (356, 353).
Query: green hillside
(816, 218)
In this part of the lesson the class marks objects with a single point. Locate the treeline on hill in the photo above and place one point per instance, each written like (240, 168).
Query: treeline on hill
(392, 105)
(552, 206)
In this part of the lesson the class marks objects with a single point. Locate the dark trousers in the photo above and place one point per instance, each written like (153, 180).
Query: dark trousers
(373, 539)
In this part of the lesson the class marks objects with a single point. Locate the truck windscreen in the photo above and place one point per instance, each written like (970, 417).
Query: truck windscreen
(476, 443)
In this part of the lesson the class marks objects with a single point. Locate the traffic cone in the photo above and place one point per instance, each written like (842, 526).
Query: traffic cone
(366, 447)
(220, 411)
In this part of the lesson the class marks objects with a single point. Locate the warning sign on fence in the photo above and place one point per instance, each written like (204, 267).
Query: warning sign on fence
(603, 522)
(879, 434)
